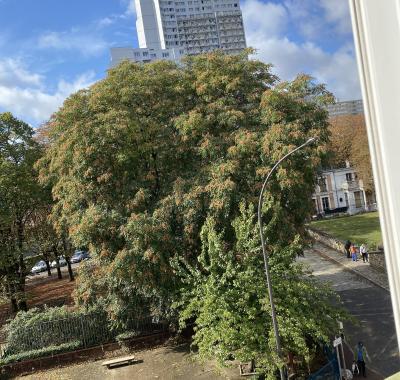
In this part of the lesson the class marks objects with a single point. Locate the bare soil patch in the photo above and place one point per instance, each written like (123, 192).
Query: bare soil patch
(43, 290)
(166, 362)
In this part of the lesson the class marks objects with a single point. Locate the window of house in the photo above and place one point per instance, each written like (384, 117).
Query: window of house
(322, 184)
(349, 177)
(358, 199)
(325, 203)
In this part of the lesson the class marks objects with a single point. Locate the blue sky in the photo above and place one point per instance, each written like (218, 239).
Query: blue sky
(51, 48)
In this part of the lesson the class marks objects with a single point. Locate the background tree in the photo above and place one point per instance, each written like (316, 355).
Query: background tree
(349, 142)
(20, 193)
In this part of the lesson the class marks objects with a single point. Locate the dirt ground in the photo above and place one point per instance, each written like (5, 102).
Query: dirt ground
(163, 363)
(43, 290)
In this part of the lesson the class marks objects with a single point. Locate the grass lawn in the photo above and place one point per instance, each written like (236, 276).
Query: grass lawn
(358, 229)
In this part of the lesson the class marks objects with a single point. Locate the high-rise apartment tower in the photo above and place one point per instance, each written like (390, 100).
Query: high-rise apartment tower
(350, 107)
(170, 29)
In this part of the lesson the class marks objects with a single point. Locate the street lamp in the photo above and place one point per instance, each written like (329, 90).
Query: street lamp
(266, 259)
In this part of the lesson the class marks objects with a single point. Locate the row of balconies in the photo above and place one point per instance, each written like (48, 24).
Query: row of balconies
(194, 36)
(233, 45)
(208, 41)
(202, 21)
(192, 44)
(209, 15)
(209, 37)
(226, 20)
(231, 27)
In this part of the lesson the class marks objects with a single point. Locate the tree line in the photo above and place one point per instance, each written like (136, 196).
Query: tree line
(26, 230)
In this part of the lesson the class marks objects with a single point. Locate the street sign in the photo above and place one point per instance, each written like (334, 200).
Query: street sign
(337, 341)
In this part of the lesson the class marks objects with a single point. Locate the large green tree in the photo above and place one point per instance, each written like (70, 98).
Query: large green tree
(20, 194)
(150, 166)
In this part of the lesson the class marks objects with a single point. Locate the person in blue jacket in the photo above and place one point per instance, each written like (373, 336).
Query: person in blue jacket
(361, 355)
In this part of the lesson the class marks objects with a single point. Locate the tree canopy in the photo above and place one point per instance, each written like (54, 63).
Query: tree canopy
(349, 142)
(157, 169)
(20, 195)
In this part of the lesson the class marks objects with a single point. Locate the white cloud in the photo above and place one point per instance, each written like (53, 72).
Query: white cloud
(267, 27)
(12, 73)
(264, 18)
(317, 19)
(129, 13)
(88, 44)
(130, 9)
(23, 93)
(337, 12)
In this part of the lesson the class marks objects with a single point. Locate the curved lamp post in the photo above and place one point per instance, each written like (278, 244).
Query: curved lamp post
(266, 259)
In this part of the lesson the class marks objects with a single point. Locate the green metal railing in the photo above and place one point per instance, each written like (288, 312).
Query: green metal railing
(90, 329)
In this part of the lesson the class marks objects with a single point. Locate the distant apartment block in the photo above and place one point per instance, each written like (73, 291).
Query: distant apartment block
(351, 107)
(171, 29)
(340, 190)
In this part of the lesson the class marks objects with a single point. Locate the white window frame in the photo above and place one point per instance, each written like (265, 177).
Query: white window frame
(376, 27)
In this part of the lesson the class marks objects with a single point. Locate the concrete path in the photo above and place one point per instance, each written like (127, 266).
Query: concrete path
(369, 303)
(358, 267)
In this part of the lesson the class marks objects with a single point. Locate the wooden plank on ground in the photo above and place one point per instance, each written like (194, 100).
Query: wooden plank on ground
(124, 359)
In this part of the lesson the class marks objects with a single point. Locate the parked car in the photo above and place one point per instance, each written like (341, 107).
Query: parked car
(61, 261)
(79, 256)
(40, 266)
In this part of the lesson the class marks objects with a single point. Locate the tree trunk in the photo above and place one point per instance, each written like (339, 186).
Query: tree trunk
(14, 304)
(59, 275)
(11, 295)
(71, 274)
(22, 305)
(48, 267)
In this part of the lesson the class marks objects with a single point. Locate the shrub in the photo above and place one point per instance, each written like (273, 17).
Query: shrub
(126, 336)
(36, 329)
(33, 354)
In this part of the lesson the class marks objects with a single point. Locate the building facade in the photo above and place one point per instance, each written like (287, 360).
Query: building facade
(340, 190)
(171, 29)
(351, 107)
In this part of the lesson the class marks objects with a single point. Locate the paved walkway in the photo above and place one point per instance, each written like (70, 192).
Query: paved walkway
(370, 304)
(358, 267)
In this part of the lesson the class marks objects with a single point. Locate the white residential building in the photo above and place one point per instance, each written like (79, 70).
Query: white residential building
(170, 29)
(340, 190)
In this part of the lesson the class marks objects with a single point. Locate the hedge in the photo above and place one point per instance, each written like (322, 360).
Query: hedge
(37, 329)
(47, 351)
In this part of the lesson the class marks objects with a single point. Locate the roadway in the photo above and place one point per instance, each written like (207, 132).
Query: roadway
(370, 305)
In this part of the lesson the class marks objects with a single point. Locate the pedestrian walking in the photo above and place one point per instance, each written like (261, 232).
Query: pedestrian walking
(364, 253)
(353, 250)
(347, 246)
(361, 355)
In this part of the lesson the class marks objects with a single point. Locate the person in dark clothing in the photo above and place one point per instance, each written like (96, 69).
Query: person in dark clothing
(347, 246)
(361, 355)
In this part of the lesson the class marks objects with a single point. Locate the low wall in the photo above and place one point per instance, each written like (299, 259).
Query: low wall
(327, 239)
(377, 260)
(26, 367)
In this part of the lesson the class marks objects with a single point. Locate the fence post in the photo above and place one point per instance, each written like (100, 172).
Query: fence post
(83, 332)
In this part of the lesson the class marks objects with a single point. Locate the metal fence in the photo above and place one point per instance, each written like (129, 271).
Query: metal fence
(89, 329)
(328, 372)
